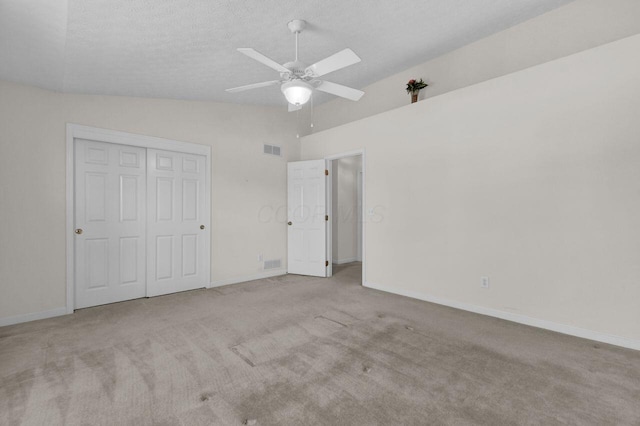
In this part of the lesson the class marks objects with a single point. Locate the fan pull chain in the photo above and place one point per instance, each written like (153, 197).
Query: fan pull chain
(298, 124)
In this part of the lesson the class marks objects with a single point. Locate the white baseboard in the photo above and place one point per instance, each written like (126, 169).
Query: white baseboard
(521, 319)
(347, 260)
(63, 310)
(33, 316)
(236, 280)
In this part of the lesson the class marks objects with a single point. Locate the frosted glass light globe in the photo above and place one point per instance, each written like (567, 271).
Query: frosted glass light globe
(297, 92)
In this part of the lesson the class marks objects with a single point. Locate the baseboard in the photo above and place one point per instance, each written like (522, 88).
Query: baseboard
(347, 260)
(521, 319)
(33, 316)
(236, 280)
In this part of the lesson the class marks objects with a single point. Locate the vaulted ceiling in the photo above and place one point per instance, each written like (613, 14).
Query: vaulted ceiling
(186, 49)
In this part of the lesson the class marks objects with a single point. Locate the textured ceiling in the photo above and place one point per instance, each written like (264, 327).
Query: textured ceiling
(185, 49)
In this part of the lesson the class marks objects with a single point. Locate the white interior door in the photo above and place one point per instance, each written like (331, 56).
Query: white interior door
(307, 230)
(110, 201)
(177, 228)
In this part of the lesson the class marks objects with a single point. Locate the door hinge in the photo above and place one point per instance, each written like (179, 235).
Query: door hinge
(326, 172)
(326, 263)
(326, 217)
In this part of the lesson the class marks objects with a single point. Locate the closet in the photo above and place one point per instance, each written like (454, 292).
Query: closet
(140, 221)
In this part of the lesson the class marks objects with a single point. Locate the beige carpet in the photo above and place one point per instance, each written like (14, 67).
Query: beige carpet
(300, 351)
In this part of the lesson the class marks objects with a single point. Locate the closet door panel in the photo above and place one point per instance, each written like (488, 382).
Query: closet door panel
(176, 232)
(110, 222)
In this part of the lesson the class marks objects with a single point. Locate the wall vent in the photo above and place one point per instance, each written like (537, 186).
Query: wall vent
(272, 150)
(272, 264)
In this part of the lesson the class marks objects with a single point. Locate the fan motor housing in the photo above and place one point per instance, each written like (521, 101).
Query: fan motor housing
(296, 26)
(297, 68)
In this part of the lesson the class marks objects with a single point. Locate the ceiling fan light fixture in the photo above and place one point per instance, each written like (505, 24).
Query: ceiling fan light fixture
(297, 80)
(297, 92)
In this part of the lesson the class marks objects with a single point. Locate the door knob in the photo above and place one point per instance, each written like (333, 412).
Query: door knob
(78, 231)
(289, 223)
(201, 226)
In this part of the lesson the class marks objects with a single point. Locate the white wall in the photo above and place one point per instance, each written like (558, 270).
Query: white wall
(580, 25)
(531, 179)
(344, 209)
(245, 182)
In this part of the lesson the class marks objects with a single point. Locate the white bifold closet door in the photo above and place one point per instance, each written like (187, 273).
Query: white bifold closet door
(139, 222)
(110, 222)
(176, 243)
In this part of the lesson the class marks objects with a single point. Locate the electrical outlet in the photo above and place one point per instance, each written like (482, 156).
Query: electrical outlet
(260, 257)
(484, 282)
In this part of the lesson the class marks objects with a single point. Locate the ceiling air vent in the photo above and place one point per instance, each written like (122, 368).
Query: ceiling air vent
(272, 150)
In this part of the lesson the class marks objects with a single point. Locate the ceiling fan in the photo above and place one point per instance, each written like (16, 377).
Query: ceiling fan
(297, 80)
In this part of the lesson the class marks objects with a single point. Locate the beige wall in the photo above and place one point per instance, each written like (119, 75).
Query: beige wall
(532, 179)
(32, 172)
(344, 209)
(580, 25)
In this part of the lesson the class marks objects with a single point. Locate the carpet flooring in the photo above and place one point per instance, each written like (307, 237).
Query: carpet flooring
(297, 350)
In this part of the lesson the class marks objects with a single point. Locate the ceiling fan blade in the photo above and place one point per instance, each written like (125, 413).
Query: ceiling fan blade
(340, 90)
(252, 86)
(254, 54)
(342, 59)
(293, 107)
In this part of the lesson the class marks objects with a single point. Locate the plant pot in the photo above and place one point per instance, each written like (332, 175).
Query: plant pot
(414, 97)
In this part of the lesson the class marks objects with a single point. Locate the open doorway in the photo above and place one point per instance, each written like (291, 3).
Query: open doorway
(345, 207)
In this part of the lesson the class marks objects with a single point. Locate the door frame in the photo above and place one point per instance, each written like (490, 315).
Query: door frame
(360, 213)
(77, 131)
(329, 162)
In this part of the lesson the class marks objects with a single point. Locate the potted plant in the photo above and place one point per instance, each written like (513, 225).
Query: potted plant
(414, 87)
